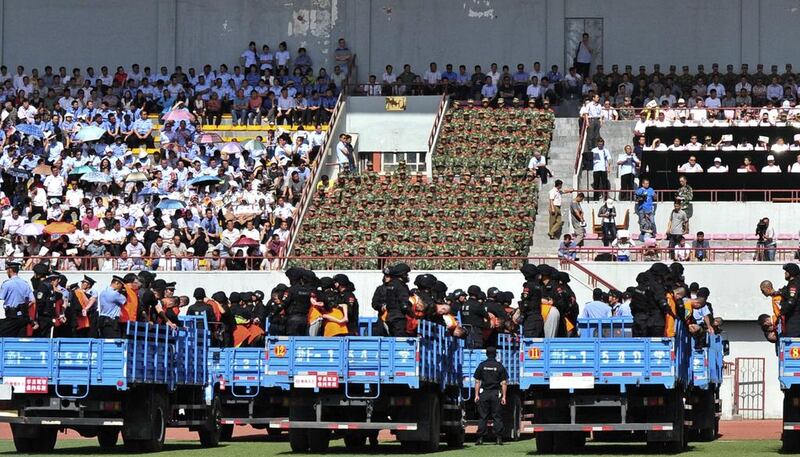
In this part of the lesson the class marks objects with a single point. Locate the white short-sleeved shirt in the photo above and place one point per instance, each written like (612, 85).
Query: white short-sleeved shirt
(555, 197)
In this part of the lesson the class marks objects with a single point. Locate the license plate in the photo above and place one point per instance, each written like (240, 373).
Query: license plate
(572, 382)
(27, 384)
(316, 382)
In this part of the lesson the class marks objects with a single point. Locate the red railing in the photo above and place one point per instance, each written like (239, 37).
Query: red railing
(737, 111)
(579, 151)
(436, 121)
(709, 195)
(660, 253)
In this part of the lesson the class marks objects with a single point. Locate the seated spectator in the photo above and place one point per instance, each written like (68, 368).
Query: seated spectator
(717, 167)
(566, 249)
(623, 244)
(682, 251)
(700, 248)
(747, 166)
(691, 166)
(770, 167)
(795, 167)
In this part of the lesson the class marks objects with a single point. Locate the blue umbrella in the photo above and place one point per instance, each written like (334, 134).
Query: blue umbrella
(83, 169)
(169, 203)
(19, 173)
(151, 191)
(30, 129)
(204, 180)
(96, 177)
(89, 133)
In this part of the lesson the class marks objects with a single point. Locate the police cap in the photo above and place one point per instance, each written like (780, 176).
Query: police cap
(459, 293)
(660, 269)
(279, 289)
(440, 287)
(529, 271)
(473, 290)
(676, 269)
(159, 284)
(235, 298)
(399, 270)
(220, 297)
(294, 273)
(492, 292)
(792, 269)
(426, 281)
(40, 269)
(118, 278)
(13, 266)
(326, 282)
(259, 295)
(53, 275)
(341, 279)
(171, 285)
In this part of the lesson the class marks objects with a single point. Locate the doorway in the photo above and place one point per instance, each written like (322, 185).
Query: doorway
(574, 28)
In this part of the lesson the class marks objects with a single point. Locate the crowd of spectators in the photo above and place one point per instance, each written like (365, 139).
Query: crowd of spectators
(84, 187)
(480, 203)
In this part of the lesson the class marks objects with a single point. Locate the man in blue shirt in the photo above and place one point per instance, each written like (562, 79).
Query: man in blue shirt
(597, 308)
(16, 294)
(142, 132)
(109, 306)
(645, 208)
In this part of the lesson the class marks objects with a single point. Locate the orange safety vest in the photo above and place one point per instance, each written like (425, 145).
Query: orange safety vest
(130, 309)
(246, 333)
(32, 317)
(82, 321)
(216, 307)
(450, 322)
(546, 311)
(776, 310)
(669, 321)
(418, 311)
(331, 328)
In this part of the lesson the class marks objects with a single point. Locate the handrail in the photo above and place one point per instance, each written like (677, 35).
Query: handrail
(436, 120)
(579, 153)
(737, 110)
(308, 190)
(641, 253)
(594, 278)
(714, 195)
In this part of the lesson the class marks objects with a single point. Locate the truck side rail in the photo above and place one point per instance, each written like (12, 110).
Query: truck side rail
(789, 362)
(507, 354)
(706, 363)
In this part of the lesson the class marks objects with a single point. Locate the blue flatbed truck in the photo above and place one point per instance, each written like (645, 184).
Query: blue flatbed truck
(789, 377)
(153, 378)
(354, 386)
(608, 384)
(508, 355)
(703, 405)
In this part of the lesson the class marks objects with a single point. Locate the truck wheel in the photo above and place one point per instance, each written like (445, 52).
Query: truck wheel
(355, 440)
(512, 417)
(107, 437)
(707, 434)
(434, 427)
(274, 432)
(21, 442)
(319, 440)
(298, 440)
(545, 442)
(790, 439)
(226, 432)
(455, 438)
(210, 432)
(45, 440)
(159, 412)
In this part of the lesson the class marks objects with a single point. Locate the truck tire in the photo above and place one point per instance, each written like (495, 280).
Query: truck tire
(22, 443)
(158, 414)
(298, 440)
(45, 442)
(319, 440)
(511, 418)
(790, 440)
(545, 442)
(210, 432)
(226, 432)
(107, 437)
(434, 412)
(455, 438)
(274, 432)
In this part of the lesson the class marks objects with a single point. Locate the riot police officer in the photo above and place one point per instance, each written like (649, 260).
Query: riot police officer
(491, 379)
(474, 317)
(348, 298)
(789, 305)
(298, 302)
(391, 299)
(530, 304)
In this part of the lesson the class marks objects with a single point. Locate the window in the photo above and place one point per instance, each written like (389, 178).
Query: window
(415, 161)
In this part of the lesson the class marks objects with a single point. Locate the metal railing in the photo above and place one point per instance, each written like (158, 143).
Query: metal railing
(641, 253)
(731, 112)
(704, 195)
(579, 153)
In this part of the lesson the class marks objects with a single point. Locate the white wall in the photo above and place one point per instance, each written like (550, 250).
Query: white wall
(747, 341)
(718, 217)
(391, 131)
(194, 32)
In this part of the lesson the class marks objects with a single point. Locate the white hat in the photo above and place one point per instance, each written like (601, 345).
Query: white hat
(786, 104)
(191, 250)
(717, 159)
(727, 137)
(680, 100)
(797, 136)
(770, 157)
(763, 139)
(623, 234)
(143, 154)
(610, 202)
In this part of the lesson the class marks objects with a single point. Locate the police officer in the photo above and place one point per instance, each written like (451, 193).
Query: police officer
(110, 303)
(474, 317)
(491, 382)
(276, 310)
(17, 296)
(789, 301)
(298, 302)
(392, 299)
(531, 303)
(347, 298)
(223, 334)
(46, 297)
(201, 307)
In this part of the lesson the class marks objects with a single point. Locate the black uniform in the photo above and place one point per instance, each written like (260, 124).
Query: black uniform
(531, 309)
(394, 296)
(491, 374)
(45, 308)
(201, 308)
(473, 318)
(790, 308)
(348, 298)
(297, 305)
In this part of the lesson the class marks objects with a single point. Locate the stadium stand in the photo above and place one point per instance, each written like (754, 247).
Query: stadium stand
(480, 202)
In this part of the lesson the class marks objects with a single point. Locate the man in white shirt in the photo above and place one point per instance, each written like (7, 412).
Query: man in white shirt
(713, 101)
(627, 164)
(54, 184)
(538, 166)
(556, 221)
(601, 164)
(691, 166)
(716, 86)
(432, 78)
(795, 167)
(770, 167)
(717, 167)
